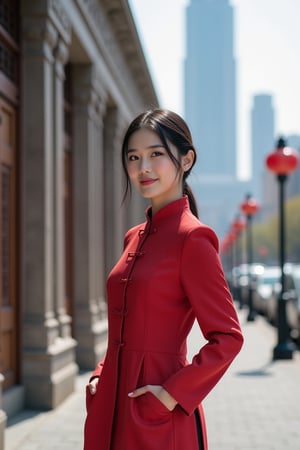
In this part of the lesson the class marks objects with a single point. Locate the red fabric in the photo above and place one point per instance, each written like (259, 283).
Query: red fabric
(168, 276)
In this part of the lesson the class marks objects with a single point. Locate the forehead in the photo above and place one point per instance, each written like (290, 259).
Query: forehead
(143, 138)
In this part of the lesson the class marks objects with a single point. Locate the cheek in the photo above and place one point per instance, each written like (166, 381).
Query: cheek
(171, 171)
(132, 171)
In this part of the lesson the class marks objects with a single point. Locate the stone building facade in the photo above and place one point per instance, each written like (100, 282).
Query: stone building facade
(72, 76)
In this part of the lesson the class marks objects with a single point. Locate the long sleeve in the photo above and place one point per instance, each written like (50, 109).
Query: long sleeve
(207, 291)
(98, 370)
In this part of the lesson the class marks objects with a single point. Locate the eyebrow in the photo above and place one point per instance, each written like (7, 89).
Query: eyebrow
(150, 147)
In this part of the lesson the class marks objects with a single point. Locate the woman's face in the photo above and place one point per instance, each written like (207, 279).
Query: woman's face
(151, 169)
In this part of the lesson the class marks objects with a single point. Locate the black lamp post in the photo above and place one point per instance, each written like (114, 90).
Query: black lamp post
(282, 161)
(249, 207)
(226, 249)
(238, 225)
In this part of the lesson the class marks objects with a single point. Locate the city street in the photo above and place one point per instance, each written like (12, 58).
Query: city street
(256, 406)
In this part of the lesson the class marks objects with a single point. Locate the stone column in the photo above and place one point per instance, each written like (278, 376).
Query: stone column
(2, 416)
(114, 187)
(89, 281)
(98, 176)
(60, 58)
(49, 367)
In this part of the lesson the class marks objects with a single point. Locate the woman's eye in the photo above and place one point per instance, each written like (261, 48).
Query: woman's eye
(157, 153)
(132, 157)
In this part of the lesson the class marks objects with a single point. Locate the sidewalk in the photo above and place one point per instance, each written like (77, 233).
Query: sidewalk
(256, 405)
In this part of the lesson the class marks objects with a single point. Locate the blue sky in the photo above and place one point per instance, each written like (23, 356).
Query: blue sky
(267, 52)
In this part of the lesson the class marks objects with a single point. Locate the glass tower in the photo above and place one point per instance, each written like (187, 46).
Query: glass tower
(262, 138)
(210, 86)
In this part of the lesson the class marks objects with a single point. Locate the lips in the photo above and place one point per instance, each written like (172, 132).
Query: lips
(147, 182)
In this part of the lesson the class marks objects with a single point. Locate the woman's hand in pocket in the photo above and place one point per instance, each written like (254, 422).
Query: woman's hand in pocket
(163, 396)
(93, 385)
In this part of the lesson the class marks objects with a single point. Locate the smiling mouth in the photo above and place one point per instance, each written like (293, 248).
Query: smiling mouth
(147, 182)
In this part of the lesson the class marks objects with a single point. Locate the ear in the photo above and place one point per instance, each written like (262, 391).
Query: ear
(187, 160)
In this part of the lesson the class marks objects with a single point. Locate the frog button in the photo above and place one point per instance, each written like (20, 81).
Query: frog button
(118, 343)
(125, 280)
(119, 312)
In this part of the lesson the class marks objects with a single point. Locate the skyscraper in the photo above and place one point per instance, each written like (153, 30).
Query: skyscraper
(210, 110)
(210, 85)
(262, 138)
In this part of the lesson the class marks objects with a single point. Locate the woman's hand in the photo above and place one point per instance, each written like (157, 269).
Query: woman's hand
(159, 392)
(93, 385)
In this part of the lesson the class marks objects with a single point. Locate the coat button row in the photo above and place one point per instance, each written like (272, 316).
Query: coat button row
(133, 254)
(142, 232)
(118, 343)
(125, 280)
(120, 311)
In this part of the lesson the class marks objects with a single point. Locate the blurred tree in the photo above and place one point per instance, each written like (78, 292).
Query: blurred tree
(293, 229)
(265, 235)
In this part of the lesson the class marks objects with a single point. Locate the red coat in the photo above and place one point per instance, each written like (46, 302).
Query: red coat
(168, 276)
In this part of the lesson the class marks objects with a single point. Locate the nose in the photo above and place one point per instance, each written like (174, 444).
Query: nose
(145, 166)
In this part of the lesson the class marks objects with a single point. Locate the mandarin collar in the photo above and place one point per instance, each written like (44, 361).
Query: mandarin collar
(174, 208)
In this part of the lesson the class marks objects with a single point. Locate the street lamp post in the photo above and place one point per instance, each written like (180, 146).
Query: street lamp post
(282, 161)
(238, 225)
(226, 249)
(249, 207)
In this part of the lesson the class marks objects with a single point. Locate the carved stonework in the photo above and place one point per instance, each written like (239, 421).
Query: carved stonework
(39, 30)
(61, 54)
(61, 18)
(89, 94)
(95, 12)
(97, 16)
(112, 24)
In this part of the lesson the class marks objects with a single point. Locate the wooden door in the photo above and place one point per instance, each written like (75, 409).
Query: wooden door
(8, 304)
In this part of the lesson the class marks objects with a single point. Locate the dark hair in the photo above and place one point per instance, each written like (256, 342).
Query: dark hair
(169, 126)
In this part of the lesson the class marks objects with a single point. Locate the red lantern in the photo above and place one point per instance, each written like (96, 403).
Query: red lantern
(283, 160)
(227, 241)
(224, 245)
(239, 224)
(250, 206)
(232, 236)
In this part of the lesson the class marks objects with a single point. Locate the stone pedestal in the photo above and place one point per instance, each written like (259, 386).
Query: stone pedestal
(49, 374)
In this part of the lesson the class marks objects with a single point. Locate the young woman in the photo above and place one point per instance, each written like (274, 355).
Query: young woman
(145, 395)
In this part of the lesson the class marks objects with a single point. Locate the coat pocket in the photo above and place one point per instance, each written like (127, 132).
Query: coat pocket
(148, 409)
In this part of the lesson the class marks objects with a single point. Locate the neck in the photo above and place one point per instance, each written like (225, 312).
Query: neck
(156, 206)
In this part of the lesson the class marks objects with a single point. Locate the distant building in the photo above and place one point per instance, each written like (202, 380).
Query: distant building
(72, 76)
(293, 185)
(219, 200)
(210, 109)
(210, 85)
(262, 139)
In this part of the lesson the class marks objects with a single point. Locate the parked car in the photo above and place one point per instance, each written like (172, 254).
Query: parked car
(292, 298)
(293, 303)
(266, 284)
(256, 271)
